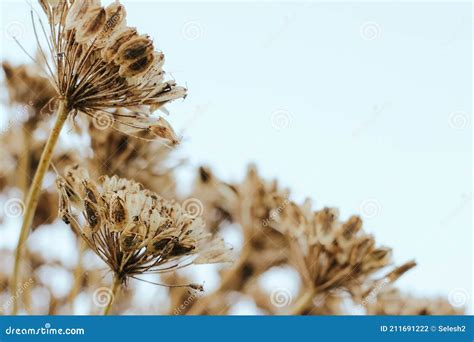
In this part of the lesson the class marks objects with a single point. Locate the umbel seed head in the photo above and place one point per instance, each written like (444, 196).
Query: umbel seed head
(132, 229)
(99, 65)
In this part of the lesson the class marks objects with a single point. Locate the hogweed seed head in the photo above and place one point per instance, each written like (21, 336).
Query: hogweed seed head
(99, 65)
(332, 254)
(134, 230)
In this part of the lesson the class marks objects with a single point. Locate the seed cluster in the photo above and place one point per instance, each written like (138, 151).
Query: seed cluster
(331, 256)
(99, 64)
(134, 230)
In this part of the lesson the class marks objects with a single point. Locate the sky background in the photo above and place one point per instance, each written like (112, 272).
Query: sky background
(366, 107)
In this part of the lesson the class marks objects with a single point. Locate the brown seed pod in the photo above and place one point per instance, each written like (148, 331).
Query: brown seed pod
(118, 213)
(163, 129)
(78, 11)
(325, 225)
(133, 50)
(130, 240)
(377, 258)
(137, 67)
(92, 215)
(110, 50)
(361, 248)
(92, 24)
(115, 23)
(349, 231)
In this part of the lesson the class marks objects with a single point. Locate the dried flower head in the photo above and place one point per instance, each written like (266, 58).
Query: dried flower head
(220, 199)
(253, 204)
(334, 255)
(99, 64)
(134, 230)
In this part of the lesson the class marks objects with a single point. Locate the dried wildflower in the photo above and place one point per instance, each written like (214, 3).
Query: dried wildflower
(220, 199)
(333, 255)
(253, 205)
(99, 64)
(391, 301)
(259, 203)
(133, 230)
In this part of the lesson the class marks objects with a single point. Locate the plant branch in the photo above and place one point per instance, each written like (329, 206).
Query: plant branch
(114, 291)
(34, 194)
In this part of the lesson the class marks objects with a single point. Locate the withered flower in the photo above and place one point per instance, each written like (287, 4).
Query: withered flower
(133, 230)
(99, 64)
(331, 255)
(220, 199)
(252, 205)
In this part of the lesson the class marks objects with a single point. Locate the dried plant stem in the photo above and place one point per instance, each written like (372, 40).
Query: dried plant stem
(34, 194)
(24, 163)
(78, 273)
(303, 303)
(113, 293)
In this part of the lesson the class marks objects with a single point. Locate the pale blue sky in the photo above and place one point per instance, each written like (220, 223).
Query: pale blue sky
(358, 106)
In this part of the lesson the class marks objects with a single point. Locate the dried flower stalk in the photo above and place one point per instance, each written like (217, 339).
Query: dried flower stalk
(135, 231)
